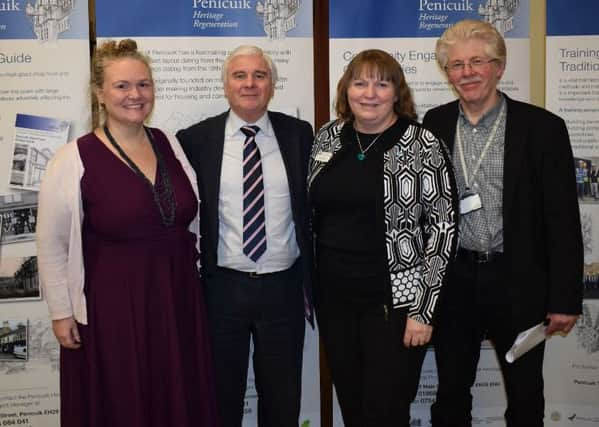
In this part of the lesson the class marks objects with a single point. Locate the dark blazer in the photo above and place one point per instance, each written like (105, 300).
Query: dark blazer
(203, 144)
(541, 221)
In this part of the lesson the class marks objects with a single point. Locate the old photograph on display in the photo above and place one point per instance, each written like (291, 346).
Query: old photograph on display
(13, 340)
(18, 213)
(19, 280)
(587, 179)
(36, 140)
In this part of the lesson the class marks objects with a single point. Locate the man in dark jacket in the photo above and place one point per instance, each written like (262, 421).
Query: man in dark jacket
(520, 257)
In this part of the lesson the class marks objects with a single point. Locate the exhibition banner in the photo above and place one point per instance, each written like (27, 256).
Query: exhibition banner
(187, 43)
(44, 101)
(571, 373)
(408, 31)
(572, 92)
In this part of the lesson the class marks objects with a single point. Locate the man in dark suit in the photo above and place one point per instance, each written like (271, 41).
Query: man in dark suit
(255, 243)
(520, 257)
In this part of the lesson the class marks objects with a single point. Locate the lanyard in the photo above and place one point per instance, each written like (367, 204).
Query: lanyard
(485, 149)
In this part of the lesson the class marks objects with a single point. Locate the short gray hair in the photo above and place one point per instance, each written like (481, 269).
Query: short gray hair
(247, 50)
(469, 29)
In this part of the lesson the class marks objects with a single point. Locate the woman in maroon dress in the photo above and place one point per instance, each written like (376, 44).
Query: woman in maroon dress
(117, 254)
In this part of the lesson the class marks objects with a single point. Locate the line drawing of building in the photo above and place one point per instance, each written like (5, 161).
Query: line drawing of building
(587, 330)
(50, 18)
(499, 13)
(278, 17)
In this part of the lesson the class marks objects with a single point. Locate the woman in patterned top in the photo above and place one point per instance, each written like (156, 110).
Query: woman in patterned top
(384, 218)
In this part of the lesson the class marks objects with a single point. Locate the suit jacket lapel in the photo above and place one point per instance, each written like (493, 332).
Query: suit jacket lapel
(449, 126)
(514, 156)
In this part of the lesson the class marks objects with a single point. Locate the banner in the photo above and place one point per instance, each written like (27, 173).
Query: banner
(572, 373)
(408, 31)
(187, 43)
(44, 100)
(572, 92)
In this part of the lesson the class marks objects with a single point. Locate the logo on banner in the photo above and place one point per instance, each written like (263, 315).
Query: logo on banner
(435, 15)
(278, 17)
(9, 6)
(587, 330)
(50, 18)
(499, 13)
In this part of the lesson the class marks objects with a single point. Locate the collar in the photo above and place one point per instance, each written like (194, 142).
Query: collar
(234, 123)
(488, 119)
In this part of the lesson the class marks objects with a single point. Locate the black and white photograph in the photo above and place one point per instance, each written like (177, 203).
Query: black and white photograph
(13, 340)
(18, 212)
(19, 280)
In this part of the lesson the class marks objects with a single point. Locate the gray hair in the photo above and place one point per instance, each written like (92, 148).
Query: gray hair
(469, 29)
(247, 50)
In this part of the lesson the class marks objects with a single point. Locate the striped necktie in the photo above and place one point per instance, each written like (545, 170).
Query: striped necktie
(254, 223)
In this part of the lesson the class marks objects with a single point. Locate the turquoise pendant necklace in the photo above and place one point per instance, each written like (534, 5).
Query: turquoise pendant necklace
(362, 154)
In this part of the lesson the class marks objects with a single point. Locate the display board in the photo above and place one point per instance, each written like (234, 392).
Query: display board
(44, 101)
(187, 43)
(572, 92)
(408, 31)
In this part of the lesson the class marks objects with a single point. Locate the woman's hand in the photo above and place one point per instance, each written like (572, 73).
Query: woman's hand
(416, 333)
(66, 332)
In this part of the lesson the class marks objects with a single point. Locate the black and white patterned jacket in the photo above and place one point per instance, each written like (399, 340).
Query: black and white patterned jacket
(420, 210)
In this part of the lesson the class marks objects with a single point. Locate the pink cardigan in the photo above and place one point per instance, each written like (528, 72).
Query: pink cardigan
(60, 215)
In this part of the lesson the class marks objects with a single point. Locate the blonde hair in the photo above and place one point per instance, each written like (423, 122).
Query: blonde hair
(469, 29)
(108, 52)
(379, 64)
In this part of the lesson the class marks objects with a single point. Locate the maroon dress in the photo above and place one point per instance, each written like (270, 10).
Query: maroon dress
(145, 358)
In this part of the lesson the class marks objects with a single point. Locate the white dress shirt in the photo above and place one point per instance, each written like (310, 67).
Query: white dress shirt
(281, 244)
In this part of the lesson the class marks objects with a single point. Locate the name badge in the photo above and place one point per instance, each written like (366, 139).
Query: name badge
(323, 156)
(469, 203)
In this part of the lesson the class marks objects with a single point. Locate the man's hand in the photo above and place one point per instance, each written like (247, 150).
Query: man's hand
(560, 323)
(67, 333)
(416, 333)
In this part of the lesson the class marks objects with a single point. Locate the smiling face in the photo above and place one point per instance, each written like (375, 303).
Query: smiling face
(371, 101)
(476, 86)
(248, 86)
(127, 93)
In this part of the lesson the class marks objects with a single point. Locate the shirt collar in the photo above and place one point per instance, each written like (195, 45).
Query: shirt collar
(488, 119)
(234, 123)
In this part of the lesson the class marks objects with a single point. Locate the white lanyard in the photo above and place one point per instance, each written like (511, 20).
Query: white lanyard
(485, 149)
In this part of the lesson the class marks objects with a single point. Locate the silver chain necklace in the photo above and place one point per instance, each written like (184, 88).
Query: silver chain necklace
(362, 154)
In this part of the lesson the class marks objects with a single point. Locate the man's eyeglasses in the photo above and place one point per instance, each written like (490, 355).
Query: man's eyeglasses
(475, 63)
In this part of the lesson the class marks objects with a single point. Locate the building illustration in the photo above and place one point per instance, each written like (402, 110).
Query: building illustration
(499, 13)
(587, 330)
(50, 18)
(278, 16)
